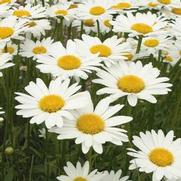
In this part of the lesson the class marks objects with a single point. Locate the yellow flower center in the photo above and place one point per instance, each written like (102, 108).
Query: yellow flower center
(31, 24)
(176, 11)
(39, 50)
(90, 124)
(152, 4)
(80, 179)
(9, 50)
(72, 6)
(97, 10)
(51, 103)
(6, 32)
(161, 157)
(131, 84)
(142, 28)
(107, 23)
(21, 13)
(61, 12)
(123, 5)
(89, 22)
(168, 58)
(152, 42)
(69, 62)
(164, 1)
(129, 56)
(103, 50)
(5, 1)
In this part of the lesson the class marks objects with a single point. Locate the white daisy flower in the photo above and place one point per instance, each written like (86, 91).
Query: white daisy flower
(10, 28)
(175, 8)
(122, 5)
(5, 62)
(34, 49)
(92, 127)
(153, 44)
(134, 80)
(10, 48)
(164, 2)
(114, 176)
(79, 173)
(94, 9)
(68, 62)
(52, 104)
(61, 10)
(158, 154)
(105, 24)
(38, 27)
(138, 24)
(28, 11)
(110, 50)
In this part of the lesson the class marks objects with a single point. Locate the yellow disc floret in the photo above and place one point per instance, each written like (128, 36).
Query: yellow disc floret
(6, 32)
(69, 62)
(39, 50)
(97, 10)
(142, 28)
(90, 124)
(103, 50)
(51, 103)
(131, 84)
(161, 157)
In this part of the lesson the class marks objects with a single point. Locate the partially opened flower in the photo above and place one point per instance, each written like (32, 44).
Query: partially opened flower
(92, 127)
(133, 80)
(79, 173)
(158, 154)
(50, 104)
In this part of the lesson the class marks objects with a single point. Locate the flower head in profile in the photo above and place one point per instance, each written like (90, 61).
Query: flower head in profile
(50, 104)
(93, 127)
(133, 80)
(157, 153)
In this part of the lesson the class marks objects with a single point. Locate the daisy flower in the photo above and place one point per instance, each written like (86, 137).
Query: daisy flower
(110, 50)
(79, 173)
(134, 80)
(50, 104)
(149, 4)
(153, 44)
(34, 49)
(61, 10)
(164, 2)
(5, 62)
(92, 127)
(10, 48)
(94, 9)
(114, 176)
(158, 154)
(122, 5)
(37, 27)
(68, 62)
(29, 11)
(138, 24)
(105, 24)
(10, 28)
(175, 8)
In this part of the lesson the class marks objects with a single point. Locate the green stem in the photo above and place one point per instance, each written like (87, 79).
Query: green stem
(81, 29)
(139, 44)
(98, 29)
